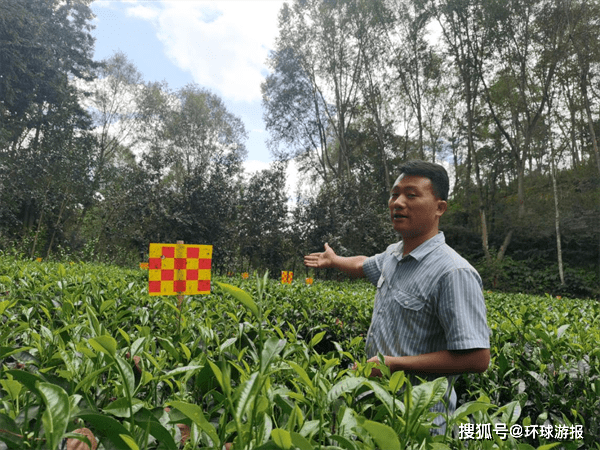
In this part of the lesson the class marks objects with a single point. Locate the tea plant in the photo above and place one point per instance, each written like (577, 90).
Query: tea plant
(262, 365)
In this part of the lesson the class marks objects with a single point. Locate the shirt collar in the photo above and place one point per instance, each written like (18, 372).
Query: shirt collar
(422, 250)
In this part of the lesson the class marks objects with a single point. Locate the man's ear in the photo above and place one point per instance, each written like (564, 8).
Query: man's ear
(442, 206)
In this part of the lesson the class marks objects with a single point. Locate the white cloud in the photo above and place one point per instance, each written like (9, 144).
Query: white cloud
(224, 44)
(143, 12)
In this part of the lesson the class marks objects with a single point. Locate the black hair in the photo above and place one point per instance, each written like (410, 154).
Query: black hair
(435, 172)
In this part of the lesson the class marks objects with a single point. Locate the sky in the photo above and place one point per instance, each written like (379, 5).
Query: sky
(219, 45)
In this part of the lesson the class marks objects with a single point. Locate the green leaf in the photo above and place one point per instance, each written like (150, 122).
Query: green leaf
(469, 408)
(548, 446)
(128, 378)
(57, 414)
(147, 421)
(245, 390)
(121, 407)
(108, 429)
(390, 401)
(4, 305)
(90, 378)
(105, 344)
(188, 370)
(242, 297)
(93, 321)
(106, 304)
(13, 387)
(425, 395)
(282, 438)
(168, 346)
(561, 330)
(397, 381)
(194, 412)
(300, 441)
(510, 412)
(317, 338)
(10, 433)
(218, 374)
(271, 348)
(129, 441)
(343, 386)
(303, 375)
(29, 380)
(343, 442)
(384, 436)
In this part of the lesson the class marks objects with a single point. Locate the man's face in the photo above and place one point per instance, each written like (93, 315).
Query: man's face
(414, 208)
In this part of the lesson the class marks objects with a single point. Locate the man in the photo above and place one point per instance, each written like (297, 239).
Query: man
(429, 317)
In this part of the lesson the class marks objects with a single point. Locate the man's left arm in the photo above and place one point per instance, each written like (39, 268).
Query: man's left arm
(443, 362)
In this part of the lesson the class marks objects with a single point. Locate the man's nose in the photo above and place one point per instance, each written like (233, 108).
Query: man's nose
(398, 202)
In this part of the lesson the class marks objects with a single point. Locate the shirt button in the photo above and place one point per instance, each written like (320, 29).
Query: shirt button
(406, 302)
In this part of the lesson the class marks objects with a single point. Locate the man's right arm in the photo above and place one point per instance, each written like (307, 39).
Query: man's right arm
(352, 265)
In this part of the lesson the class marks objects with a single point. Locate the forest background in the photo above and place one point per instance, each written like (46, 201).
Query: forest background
(96, 163)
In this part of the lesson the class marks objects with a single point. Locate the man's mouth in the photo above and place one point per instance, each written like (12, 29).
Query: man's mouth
(399, 216)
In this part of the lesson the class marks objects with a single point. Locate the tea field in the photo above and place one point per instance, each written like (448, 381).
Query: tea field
(261, 365)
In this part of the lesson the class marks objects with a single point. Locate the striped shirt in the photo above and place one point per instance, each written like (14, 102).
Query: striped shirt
(426, 301)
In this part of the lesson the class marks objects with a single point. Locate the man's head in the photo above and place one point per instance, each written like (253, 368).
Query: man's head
(418, 200)
(435, 172)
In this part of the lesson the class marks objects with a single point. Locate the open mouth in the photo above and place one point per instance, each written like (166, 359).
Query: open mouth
(399, 216)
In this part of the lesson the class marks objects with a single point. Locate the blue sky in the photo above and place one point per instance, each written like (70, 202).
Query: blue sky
(219, 45)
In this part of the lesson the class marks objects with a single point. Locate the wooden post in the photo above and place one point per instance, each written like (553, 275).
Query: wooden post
(179, 296)
(179, 303)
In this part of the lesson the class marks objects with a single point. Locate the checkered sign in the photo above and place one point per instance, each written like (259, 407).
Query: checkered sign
(287, 277)
(178, 269)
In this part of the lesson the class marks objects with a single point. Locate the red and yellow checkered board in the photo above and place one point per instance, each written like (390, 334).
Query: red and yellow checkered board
(178, 269)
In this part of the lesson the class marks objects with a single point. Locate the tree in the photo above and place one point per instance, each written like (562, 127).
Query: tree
(43, 46)
(320, 45)
(528, 40)
(262, 219)
(43, 43)
(204, 135)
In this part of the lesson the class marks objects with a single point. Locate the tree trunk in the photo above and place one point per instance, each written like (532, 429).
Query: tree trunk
(502, 250)
(557, 224)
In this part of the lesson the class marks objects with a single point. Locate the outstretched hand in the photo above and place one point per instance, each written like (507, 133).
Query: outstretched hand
(320, 260)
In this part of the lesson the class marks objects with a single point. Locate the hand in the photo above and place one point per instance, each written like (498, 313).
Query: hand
(320, 260)
(375, 372)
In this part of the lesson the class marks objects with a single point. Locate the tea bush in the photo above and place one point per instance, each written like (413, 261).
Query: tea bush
(266, 366)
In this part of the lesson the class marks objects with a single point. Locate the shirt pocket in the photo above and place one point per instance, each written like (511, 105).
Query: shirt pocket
(408, 302)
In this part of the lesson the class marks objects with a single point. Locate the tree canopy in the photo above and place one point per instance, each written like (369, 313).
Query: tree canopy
(95, 162)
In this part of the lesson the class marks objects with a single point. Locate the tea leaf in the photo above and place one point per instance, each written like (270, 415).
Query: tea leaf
(129, 441)
(245, 391)
(317, 338)
(282, 438)
(272, 347)
(383, 435)
(242, 297)
(300, 441)
(344, 386)
(427, 394)
(194, 412)
(57, 414)
(105, 344)
(146, 420)
(122, 407)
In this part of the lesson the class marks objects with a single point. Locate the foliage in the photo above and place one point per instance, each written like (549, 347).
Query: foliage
(263, 365)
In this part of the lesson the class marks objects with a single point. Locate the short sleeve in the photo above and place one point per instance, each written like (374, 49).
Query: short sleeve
(372, 268)
(462, 311)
